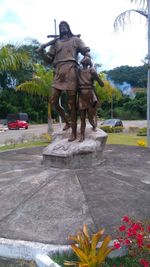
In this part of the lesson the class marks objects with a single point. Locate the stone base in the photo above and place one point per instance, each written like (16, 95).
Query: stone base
(63, 154)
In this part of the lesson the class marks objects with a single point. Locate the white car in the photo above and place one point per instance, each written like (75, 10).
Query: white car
(3, 128)
(112, 123)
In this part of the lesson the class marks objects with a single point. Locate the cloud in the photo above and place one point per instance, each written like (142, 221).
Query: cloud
(94, 21)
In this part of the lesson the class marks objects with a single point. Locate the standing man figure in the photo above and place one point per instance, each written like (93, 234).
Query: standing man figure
(63, 55)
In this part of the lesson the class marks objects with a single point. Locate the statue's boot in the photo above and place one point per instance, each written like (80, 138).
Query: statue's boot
(63, 116)
(82, 137)
(73, 135)
(67, 126)
(65, 119)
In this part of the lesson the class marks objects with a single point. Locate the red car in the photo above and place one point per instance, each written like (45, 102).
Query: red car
(17, 121)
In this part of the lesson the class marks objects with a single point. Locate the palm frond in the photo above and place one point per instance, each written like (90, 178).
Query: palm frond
(124, 18)
(10, 59)
(34, 87)
(143, 3)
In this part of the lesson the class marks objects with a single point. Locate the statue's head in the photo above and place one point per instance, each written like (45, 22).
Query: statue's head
(86, 61)
(64, 28)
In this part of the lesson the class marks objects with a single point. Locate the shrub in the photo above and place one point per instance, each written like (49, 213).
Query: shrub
(112, 129)
(87, 250)
(107, 129)
(118, 129)
(142, 132)
(136, 236)
(47, 137)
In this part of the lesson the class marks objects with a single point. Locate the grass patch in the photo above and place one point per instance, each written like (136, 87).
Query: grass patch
(124, 139)
(59, 257)
(24, 145)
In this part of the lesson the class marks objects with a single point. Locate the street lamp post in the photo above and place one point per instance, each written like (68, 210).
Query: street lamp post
(148, 80)
(60, 120)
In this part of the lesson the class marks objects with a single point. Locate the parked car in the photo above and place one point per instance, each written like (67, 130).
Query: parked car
(112, 123)
(3, 128)
(17, 121)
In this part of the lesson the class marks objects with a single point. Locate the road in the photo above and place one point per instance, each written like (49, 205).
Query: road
(33, 131)
(19, 135)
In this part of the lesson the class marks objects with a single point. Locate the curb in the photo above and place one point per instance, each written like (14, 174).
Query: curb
(39, 252)
(27, 250)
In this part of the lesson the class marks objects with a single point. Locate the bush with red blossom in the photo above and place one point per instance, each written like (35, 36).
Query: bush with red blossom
(136, 236)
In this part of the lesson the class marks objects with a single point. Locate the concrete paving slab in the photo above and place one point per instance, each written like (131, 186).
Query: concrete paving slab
(44, 204)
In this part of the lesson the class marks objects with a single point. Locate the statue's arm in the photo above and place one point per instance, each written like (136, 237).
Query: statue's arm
(48, 57)
(97, 78)
(82, 48)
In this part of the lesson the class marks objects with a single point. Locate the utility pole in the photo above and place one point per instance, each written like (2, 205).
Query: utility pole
(112, 106)
(60, 120)
(148, 80)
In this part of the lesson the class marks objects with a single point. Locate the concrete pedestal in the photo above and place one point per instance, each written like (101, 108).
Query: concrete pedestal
(63, 154)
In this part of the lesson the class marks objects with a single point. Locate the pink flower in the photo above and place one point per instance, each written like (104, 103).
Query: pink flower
(122, 228)
(117, 245)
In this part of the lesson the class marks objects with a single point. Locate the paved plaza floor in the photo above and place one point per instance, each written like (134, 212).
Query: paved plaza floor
(44, 204)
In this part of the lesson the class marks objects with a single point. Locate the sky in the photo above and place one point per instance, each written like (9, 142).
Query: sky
(93, 19)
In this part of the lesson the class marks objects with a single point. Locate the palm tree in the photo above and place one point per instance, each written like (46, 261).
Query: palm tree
(121, 21)
(124, 17)
(40, 85)
(11, 59)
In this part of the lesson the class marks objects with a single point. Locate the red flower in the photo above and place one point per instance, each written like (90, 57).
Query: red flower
(137, 226)
(148, 228)
(140, 243)
(140, 237)
(144, 262)
(117, 245)
(126, 219)
(127, 241)
(122, 228)
(131, 232)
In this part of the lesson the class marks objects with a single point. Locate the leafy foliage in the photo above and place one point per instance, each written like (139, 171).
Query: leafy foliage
(11, 59)
(112, 129)
(135, 76)
(142, 132)
(105, 93)
(40, 85)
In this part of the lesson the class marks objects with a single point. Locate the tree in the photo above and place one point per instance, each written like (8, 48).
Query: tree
(124, 17)
(145, 11)
(11, 59)
(40, 84)
(108, 93)
(135, 76)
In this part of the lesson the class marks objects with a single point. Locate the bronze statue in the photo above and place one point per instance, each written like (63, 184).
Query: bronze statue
(87, 99)
(63, 54)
